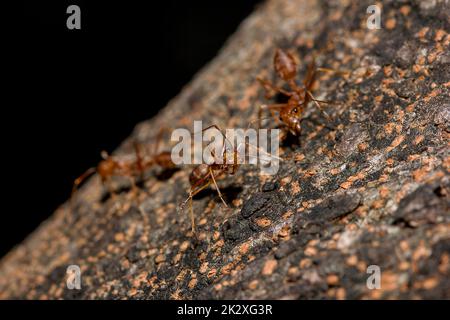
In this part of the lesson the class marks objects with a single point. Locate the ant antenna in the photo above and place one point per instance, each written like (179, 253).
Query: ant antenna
(316, 102)
(78, 181)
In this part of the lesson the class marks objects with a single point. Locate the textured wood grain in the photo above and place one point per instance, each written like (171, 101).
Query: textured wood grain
(370, 188)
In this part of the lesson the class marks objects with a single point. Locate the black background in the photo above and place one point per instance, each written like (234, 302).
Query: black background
(77, 92)
(281, 309)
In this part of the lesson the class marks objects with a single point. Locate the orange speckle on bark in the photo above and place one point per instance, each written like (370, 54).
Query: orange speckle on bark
(305, 263)
(269, 267)
(362, 146)
(418, 139)
(212, 273)
(389, 281)
(192, 283)
(346, 185)
(253, 285)
(310, 251)
(287, 215)
(390, 23)
(295, 187)
(430, 283)
(416, 68)
(160, 258)
(299, 157)
(410, 108)
(420, 174)
(397, 141)
(216, 235)
(404, 246)
(422, 32)
(286, 180)
(377, 204)
(432, 94)
(340, 294)
(332, 280)
(405, 10)
(421, 252)
(119, 237)
(177, 258)
(227, 268)
(384, 191)
(244, 248)
(184, 246)
(335, 171)
(263, 222)
(352, 260)
(284, 232)
(440, 34)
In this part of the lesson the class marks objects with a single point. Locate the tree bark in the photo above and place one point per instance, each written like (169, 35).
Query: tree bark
(370, 187)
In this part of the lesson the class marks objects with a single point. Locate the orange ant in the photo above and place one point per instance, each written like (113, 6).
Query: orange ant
(112, 166)
(203, 175)
(291, 113)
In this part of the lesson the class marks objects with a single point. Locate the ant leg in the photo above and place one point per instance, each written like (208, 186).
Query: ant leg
(218, 129)
(134, 189)
(159, 137)
(108, 183)
(191, 214)
(312, 120)
(192, 194)
(217, 187)
(268, 86)
(336, 103)
(260, 109)
(318, 105)
(82, 178)
(272, 112)
(323, 101)
(310, 75)
(139, 159)
(340, 72)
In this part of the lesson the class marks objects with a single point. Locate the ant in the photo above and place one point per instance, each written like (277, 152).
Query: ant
(134, 168)
(203, 175)
(291, 113)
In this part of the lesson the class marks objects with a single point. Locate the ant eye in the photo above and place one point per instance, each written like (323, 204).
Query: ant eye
(295, 110)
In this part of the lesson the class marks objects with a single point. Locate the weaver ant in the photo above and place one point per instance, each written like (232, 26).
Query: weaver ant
(291, 112)
(203, 175)
(133, 168)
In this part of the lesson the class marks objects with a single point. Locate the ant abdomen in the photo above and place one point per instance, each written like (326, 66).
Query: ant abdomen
(285, 65)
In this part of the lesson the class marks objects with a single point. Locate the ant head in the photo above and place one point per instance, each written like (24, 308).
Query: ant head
(292, 120)
(107, 167)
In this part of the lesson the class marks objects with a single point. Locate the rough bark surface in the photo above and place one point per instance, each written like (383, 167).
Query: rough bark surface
(370, 188)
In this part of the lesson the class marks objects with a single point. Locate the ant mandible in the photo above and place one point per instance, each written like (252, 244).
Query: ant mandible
(291, 113)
